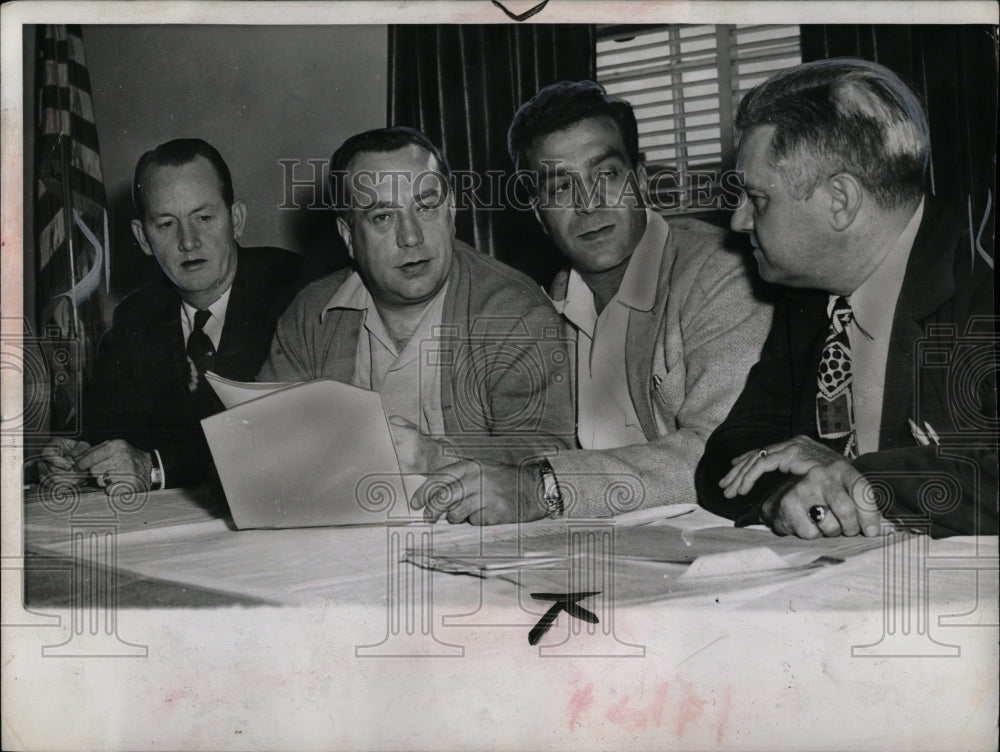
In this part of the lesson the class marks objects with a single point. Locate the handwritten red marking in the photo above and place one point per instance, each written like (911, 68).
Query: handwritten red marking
(658, 702)
(580, 702)
(621, 713)
(727, 702)
(692, 707)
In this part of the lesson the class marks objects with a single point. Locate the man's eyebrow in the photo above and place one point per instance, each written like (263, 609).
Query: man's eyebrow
(383, 204)
(558, 171)
(604, 156)
(200, 208)
(429, 193)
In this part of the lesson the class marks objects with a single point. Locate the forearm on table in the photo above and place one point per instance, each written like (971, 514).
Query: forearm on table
(606, 482)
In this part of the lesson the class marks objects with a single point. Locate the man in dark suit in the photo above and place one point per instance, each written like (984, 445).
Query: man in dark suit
(214, 308)
(875, 394)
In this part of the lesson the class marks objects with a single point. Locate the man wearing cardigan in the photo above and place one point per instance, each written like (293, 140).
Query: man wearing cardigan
(664, 317)
(465, 352)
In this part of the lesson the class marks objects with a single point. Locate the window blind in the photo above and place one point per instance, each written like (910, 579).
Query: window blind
(684, 82)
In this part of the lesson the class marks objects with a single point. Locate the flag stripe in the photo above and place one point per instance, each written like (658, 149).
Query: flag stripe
(65, 97)
(69, 179)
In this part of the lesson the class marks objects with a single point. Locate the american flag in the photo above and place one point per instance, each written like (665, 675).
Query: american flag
(71, 220)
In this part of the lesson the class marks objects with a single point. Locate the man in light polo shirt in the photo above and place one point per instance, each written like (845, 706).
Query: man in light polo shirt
(464, 351)
(666, 322)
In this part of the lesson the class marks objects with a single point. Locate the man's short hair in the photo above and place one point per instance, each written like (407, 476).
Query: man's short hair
(843, 115)
(376, 141)
(561, 105)
(180, 151)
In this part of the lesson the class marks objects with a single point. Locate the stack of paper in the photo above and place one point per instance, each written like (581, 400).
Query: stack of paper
(638, 563)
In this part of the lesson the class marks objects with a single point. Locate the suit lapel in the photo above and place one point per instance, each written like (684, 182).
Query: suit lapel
(160, 351)
(242, 312)
(929, 281)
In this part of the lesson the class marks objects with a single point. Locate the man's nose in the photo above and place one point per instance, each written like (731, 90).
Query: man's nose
(587, 197)
(408, 232)
(742, 220)
(189, 240)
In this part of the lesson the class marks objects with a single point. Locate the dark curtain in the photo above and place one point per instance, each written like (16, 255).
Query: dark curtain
(461, 85)
(954, 70)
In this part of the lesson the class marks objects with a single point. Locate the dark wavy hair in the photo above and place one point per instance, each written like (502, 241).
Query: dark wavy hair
(560, 105)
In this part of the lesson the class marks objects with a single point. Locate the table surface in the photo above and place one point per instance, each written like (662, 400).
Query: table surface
(854, 652)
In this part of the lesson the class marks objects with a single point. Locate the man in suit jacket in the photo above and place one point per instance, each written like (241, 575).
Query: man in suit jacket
(875, 394)
(214, 308)
(664, 317)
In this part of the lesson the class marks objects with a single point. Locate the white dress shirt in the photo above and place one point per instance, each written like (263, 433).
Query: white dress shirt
(213, 327)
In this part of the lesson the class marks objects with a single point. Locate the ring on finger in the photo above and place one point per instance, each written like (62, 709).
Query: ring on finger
(762, 453)
(817, 513)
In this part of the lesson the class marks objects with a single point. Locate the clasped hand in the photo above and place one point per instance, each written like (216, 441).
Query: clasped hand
(77, 462)
(825, 479)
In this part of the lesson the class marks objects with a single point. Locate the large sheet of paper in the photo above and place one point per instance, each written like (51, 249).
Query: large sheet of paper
(233, 393)
(638, 563)
(317, 453)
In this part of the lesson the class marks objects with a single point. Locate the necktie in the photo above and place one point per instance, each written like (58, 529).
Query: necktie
(834, 401)
(200, 351)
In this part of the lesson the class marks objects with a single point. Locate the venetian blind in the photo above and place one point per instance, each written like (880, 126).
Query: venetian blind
(673, 76)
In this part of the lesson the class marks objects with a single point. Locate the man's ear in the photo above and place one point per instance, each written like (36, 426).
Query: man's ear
(238, 214)
(140, 236)
(846, 196)
(345, 233)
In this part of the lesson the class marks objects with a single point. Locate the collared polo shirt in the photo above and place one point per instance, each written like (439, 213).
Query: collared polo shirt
(410, 386)
(606, 417)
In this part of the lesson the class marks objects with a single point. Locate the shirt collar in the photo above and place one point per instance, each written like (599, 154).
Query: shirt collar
(217, 309)
(874, 302)
(638, 287)
(352, 295)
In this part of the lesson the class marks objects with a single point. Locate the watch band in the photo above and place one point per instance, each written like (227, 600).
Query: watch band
(156, 472)
(551, 494)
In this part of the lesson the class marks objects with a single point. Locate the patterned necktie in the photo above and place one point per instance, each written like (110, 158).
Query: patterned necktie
(834, 401)
(200, 351)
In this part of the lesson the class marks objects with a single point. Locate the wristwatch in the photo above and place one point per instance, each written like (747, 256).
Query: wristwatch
(156, 473)
(550, 489)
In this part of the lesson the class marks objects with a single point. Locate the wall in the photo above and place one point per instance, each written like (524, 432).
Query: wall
(259, 94)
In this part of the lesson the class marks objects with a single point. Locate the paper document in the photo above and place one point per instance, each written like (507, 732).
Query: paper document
(644, 562)
(308, 454)
(233, 393)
